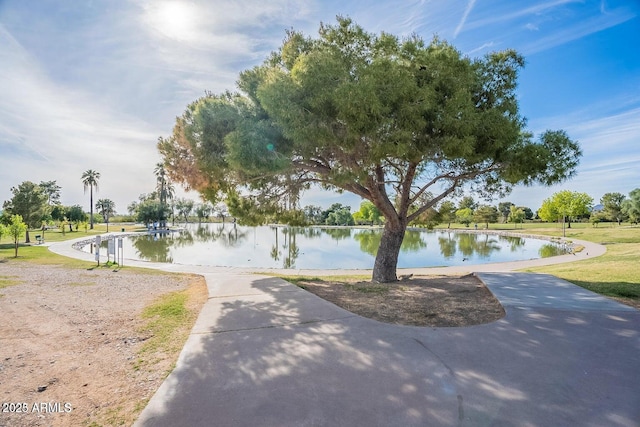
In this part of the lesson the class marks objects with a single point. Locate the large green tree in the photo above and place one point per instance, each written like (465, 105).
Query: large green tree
(447, 211)
(631, 206)
(486, 214)
(565, 205)
(505, 209)
(387, 119)
(464, 216)
(76, 214)
(516, 215)
(52, 190)
(30, 202)
(150, 211)
(90, 180)
(612, 206)
(367, 214)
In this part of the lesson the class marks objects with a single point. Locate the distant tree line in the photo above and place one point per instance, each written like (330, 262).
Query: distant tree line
(564, 206)
(37, 206)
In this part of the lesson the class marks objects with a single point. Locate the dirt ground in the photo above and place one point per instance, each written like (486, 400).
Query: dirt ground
(70, 343)
(70, 339)
(418, 301)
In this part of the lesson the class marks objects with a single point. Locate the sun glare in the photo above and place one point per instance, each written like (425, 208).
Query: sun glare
(175, 20)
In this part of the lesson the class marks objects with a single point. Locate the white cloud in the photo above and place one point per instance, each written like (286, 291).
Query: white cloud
(463, 20)
(497, 17)
(609, 142)
(578, 30)
(48, 132)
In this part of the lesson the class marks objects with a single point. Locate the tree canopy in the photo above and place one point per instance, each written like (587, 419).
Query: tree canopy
(565, 205)
(631, 206)
(90, 180)
(387, 119)
(486, 214)
(106, 208)
(612, 206)
(29, 202)
(52, 190)
(17, 227)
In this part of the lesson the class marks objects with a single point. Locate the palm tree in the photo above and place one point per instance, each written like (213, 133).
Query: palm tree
(90, 179)
(164, 187)
(107, 209)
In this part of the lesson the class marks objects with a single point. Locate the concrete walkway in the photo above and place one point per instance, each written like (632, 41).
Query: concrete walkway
(266, 353)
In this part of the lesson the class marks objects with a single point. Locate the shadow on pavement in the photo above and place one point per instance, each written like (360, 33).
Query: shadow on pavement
(279, 356)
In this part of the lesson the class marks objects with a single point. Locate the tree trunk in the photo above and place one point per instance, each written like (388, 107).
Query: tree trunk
(26, 237)
(384, 268)
(91, 207)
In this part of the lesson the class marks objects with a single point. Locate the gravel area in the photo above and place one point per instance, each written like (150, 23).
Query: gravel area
(69, 343)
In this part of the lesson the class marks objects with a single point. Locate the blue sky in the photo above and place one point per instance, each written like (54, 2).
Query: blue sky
(93, 84)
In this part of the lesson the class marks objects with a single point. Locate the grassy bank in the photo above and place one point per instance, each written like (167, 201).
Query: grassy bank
(615, 274)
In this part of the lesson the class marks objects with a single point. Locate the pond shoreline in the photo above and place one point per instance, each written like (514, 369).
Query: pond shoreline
(278, 246)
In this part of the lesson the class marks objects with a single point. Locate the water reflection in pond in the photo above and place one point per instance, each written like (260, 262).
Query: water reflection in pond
(326, 248)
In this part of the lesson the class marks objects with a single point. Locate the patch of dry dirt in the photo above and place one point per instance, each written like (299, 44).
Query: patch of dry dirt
(418, 301)
(69, 343)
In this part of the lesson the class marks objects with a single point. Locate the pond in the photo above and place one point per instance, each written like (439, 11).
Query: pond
(325, 248)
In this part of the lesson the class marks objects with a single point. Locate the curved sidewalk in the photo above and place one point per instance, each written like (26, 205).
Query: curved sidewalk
(266, 353)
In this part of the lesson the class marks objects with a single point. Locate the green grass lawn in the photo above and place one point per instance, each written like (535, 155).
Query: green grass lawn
(614, 274)
(40, 254)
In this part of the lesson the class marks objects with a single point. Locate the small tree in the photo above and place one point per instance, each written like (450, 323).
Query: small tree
(221, 210)
(107, 209)
(516, 215)
(203, 211)
(464, 216)
(312, 214)
(368, 214)
(485, 214)
(528, 213)
(447, 212)
(340, 216)
(16, 228)
(505, 210)
(429, 218)
(597, 217)
(58, 212)
(467, 202)
(3, 231)
(184, 208)
(151, 211)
